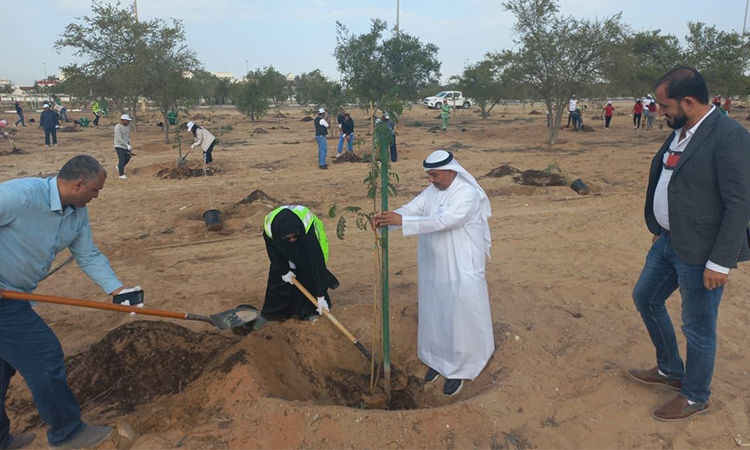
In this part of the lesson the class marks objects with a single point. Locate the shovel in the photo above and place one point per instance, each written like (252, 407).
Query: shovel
(224, 320)
(400, 379)
(183, 159)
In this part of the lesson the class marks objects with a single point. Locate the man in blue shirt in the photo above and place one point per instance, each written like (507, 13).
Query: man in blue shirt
(38, 219)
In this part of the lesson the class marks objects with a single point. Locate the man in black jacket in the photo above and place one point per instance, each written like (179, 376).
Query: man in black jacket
(697, 208)
(347, 134)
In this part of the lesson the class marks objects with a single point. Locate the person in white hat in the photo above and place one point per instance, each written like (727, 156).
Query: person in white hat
(455, 337)
(122, 145)
(321, 131)
(205, 139)
(48, 121)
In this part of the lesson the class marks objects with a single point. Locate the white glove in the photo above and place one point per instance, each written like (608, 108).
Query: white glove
(57, 126)
(129, 147)
(288, 277)
(322, 305)
(193, 146)
(127, 302)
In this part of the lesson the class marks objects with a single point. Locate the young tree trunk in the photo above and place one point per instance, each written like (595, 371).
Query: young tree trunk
(165, 120)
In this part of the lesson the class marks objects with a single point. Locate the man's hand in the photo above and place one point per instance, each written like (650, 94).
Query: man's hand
(386, 218)
(712, 279)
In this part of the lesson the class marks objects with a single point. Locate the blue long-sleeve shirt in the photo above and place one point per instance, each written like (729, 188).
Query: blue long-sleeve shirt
(34, 228)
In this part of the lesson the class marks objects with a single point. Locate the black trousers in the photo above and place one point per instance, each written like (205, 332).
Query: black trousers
(50, 132)
(123, 155)
(207, 158)
(394, 150)
(607, 120)
(96, 119)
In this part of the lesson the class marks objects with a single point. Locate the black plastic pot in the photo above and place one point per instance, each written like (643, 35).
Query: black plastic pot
(213, 219)
(580, 187)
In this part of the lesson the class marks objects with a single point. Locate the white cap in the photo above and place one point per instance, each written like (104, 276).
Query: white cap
(46, 105)
(609, 102)
(125, 117)
(321, 111)
(190, 125)
(386, 115)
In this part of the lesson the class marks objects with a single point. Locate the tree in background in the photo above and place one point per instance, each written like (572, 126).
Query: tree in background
(126, 59)
(275, 85)
(556, 55)
(313, 88)
(373, 65)
(721, 57)
(481, 82)
(633, 64)
(250, 97)
(108, 42)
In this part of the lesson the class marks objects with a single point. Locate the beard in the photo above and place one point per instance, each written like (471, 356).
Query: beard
(678, 120)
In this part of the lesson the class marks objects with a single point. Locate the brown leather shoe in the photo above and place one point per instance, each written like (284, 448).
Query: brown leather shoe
(652, 376)
(679, 409)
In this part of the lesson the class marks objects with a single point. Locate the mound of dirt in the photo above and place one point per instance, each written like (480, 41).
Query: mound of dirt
(541, 178)
(588, 129)
(179, 173)
(70, 129)
(257, 196)
(198, 117)
(260, 131)
(280, 115)
(142, 360)
(534, 112)
(434, 129)
(306, 119)
(348, 157)
(503, 171)
(15, 151)
(527, 177)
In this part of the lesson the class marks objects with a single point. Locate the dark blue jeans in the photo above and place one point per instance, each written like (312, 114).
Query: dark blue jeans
(322, 150)
(662, 274)
(28, 345)
(50, 132)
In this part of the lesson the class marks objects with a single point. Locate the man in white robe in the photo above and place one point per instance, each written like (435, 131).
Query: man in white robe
(455, 336)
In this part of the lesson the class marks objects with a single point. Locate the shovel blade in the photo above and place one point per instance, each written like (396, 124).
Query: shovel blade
(234, 317)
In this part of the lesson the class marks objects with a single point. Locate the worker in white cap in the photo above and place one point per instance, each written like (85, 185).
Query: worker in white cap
(321, 133)
(455, 336)
(122, 145)
(48, 121)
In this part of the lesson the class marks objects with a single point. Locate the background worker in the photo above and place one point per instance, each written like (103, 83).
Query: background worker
(321, 133)
(48, 121)
(122, 145)
(347, 134)
(205, 139)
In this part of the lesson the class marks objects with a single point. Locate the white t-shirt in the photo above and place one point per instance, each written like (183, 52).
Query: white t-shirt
(572, 105)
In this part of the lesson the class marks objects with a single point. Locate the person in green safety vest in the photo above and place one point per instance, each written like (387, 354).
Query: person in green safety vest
(297, 246)
(172, 117)
(445, 113)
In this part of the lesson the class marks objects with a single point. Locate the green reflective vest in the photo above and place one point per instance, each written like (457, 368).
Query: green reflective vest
(308, 220)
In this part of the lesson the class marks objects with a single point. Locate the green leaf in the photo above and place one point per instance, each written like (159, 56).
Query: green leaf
(332, 210)
(341, 228)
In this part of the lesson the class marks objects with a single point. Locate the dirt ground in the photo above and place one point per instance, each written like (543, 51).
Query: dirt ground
(560, 280)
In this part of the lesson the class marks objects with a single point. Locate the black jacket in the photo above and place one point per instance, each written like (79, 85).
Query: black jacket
(709, 194)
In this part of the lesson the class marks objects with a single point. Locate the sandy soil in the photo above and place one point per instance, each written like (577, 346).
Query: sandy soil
(560, 279)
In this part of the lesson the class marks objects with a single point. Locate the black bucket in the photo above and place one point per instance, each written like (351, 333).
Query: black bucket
(580, 187)
(213, 219)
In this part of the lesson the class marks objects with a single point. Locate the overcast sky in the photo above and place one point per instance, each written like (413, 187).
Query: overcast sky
(300, 35)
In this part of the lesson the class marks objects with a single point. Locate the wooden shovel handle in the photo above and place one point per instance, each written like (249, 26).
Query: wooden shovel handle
(325, 312)
(15, 295)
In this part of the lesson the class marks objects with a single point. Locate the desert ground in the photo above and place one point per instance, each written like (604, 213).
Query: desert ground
(560, 280)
